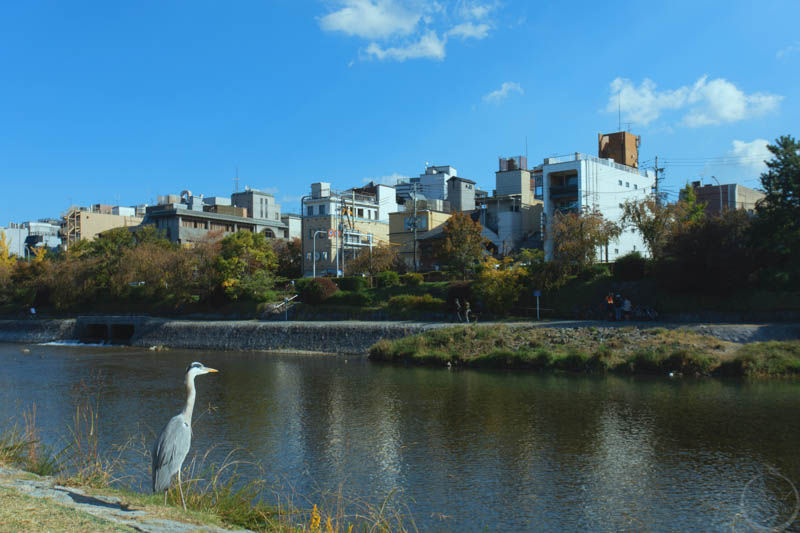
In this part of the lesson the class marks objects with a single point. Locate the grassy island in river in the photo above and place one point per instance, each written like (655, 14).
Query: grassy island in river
(593, 350)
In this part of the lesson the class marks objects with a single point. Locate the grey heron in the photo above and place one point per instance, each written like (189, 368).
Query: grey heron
(173, 444)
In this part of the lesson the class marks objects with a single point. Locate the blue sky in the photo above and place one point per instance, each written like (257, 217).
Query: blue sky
(118, 102)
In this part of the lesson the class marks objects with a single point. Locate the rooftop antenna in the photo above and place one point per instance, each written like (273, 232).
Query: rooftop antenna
(236, 180)
(526, 148)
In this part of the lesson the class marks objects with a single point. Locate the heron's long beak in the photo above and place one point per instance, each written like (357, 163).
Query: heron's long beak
(211, 370)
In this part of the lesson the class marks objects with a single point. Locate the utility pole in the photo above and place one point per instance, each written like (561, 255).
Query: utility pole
(658, 198)
(415, 227)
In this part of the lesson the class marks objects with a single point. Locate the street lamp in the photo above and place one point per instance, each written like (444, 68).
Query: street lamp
(314, 253)
(720, 193)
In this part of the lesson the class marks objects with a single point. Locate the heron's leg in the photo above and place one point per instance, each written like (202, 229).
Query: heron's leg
(180, 488)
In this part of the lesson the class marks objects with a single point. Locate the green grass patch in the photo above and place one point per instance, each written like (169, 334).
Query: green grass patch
(592, 350)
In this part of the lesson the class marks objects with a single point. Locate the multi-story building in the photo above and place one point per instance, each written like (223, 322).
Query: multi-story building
(402, 235)
(431, 184)
(337, 226)
(726, 196)
(258, 204)
(85, 223)
(15, 236)
(511, 217)
(583, 182)
(190, 219)
(43, 234)
(294, 225)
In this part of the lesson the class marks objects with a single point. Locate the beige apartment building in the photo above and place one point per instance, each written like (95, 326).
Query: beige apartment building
(401, 232)
(726, 196)
(85, 223)
(337, 226)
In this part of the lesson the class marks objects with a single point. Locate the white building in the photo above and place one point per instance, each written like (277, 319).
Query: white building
(432, 184)
(580, 181)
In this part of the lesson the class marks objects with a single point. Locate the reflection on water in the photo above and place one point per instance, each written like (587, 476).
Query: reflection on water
(469, 451)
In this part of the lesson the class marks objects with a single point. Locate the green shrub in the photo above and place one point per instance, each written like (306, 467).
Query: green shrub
(351, 283)
(412, 279)
(434, 275)
(630, 267)
(354, 298)
(591, 272)
(407, 302)
(387, 278)
(315, 290)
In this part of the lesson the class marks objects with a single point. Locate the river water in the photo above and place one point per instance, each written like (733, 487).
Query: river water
(454, 450)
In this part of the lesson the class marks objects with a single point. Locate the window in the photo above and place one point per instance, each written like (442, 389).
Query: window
(627, 184)
(322, 209)
(324, 256)
(635, 186)
(360, 213)
(620, 183)
(616, 251)
(634, 247)
(308, 256)
(310, 210)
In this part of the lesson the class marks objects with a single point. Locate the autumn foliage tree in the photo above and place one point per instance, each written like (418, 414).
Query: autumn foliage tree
(577, 237)
(463, 245)
(381, 258)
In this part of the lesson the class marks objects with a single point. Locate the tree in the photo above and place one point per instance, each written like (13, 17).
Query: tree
(712, 255)
(463, 245)
(578, 236)
(382, 257)
(290, 257)
(690, 211)
(776, 229)
(246, 266)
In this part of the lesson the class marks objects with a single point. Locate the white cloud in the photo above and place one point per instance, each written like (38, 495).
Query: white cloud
(429, 46)
(645, 103)
(709, 102)
(751, 155)
(719, 101)
(468, 30)
(788, 50)
(503, 92)
(475, 10)
(371, 19)
(399, 30)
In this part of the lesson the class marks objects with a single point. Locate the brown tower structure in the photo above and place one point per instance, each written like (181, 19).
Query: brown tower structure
(622, 147)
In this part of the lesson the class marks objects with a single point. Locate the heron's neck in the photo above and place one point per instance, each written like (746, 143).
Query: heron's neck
(187, 410)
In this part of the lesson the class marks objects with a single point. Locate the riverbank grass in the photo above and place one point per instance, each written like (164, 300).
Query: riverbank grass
(592, 350)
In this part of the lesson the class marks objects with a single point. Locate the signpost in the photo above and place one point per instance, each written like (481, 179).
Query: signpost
(537, 294)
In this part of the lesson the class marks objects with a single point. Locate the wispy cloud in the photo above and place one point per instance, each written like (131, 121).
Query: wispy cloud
(371, 19)
(469, 30)
(788, 50)
(428, 46)
(399, 30)
(503, 92)
(707, 102)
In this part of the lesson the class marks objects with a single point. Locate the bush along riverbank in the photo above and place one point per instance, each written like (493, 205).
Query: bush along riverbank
(592, 350)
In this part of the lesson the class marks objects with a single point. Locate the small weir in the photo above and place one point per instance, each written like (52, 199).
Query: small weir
(111, 330)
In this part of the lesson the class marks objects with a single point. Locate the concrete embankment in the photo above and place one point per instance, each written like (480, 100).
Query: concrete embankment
(345, 337)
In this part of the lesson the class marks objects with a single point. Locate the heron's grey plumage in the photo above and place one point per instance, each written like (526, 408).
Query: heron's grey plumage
(173, 444)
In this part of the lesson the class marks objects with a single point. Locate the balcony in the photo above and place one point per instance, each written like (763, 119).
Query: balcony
(564, 191)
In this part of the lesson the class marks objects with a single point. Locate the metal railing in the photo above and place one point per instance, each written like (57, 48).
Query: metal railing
(577, 156)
